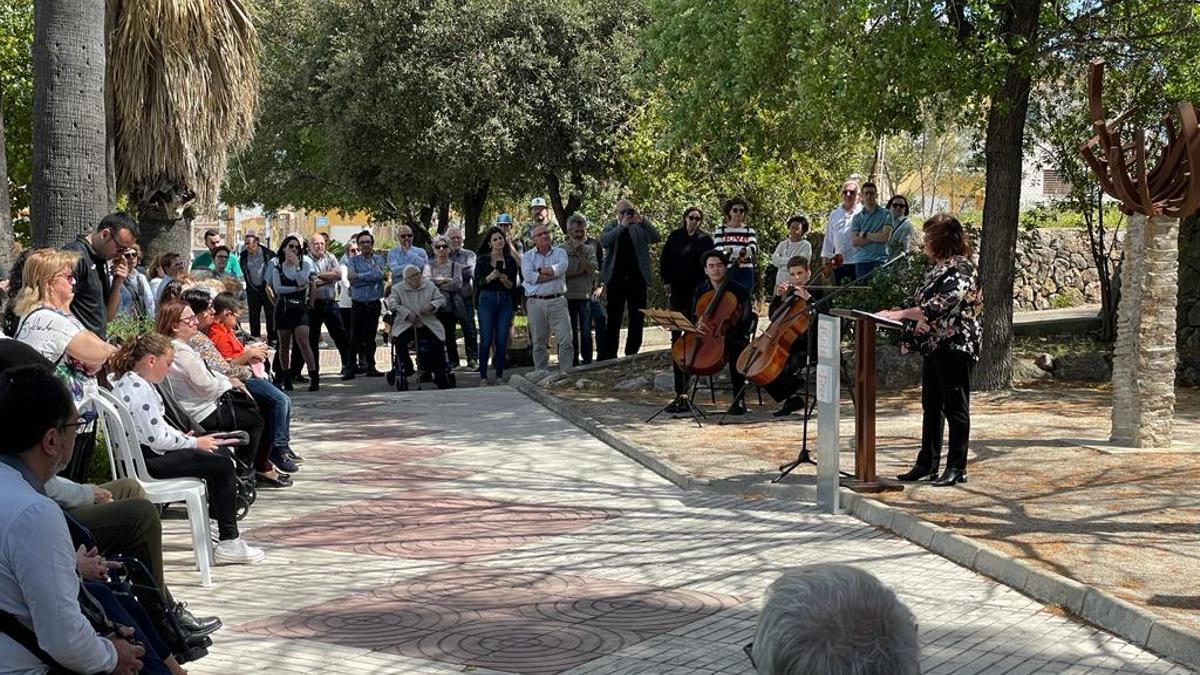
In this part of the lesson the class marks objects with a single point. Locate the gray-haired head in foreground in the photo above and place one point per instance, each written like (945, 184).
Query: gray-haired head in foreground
(834, 620)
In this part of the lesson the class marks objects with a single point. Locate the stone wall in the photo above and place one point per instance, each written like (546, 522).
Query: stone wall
(1053, 264)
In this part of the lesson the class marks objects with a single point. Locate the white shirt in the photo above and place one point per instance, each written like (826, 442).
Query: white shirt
(785, 251)
(533, 259)
(192, 384)
(343, 286)
(39, 587)
(49, 330)
(838, 233)
(146, 407)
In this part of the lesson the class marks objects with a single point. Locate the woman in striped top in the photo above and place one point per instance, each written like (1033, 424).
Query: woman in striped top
(737, 240)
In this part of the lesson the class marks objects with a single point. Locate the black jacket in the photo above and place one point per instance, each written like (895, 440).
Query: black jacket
(680, 266)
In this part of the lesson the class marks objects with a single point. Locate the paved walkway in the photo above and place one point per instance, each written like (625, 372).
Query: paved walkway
(472, 530)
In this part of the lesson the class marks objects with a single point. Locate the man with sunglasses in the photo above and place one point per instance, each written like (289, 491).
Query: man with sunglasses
(405, 254)
(625, 272)
(97, 293)
(838, 233)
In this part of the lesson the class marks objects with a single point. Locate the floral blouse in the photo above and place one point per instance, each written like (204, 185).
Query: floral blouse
(950, 298)
(216, 361)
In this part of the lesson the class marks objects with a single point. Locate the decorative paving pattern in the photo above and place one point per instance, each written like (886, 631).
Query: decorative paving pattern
(365, 431)
(430, 525)
(407, 477)
(526, 622)
(392, 454)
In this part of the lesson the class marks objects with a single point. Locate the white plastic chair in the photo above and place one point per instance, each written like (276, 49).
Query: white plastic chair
(126, 453)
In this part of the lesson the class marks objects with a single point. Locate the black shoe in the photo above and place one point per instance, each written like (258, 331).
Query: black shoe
(374, 373)
(791, 405)
(737, 408)
(679, 405)
(299, 378)
(950, 477)
(196, 625)
(347, 375)
(265, 481)
(917, 473)
(314, 382)
(294, 457)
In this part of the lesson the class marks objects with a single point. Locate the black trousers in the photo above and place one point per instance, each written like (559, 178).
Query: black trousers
(242, 415)
(364, 321)
(218, 474)
(327, 312)
(622, 294)
(945, 395)
(256, 303)
(679, 303)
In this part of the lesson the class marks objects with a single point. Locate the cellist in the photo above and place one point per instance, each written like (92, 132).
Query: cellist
(716, 267)
(786, 388)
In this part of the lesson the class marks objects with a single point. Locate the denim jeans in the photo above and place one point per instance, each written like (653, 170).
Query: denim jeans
(600, 323)
(581, 329)
(276, 407)
(495, 318)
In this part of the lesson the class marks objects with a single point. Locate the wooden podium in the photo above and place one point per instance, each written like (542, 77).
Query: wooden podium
(865, 324)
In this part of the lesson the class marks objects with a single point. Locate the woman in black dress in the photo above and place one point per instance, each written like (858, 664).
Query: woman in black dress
(945, 330)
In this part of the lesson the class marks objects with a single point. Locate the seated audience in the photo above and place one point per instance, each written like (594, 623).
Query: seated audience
(38, 582)
(414, 304)
(274, 405)
(829, 619)
(146, 361)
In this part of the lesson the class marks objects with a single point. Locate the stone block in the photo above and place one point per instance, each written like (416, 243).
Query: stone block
(632, 384)
(664, 381)
(1123, 618)
(1175, 642)
(1055, 589)
(955, 547)
(914, 529)
(875, 513)
(1002, 567)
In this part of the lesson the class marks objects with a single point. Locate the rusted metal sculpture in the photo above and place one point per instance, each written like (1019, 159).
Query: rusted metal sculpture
(1172, 187)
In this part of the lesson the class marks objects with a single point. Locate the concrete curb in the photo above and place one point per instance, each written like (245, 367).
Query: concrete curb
(1117, 616)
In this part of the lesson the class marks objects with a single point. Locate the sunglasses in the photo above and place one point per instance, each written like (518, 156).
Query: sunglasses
(693, 218)
(442, 246)
(628, 212)
(406, 236)
(849, 193)
(737, 209)
(292, 247)
(898, 205)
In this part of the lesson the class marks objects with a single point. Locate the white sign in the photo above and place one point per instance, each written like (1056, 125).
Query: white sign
(825, 384)
(826, 346)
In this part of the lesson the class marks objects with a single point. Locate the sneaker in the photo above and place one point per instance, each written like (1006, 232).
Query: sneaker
(237, 552)
(294, 457)
(279, 457)
(214, 532)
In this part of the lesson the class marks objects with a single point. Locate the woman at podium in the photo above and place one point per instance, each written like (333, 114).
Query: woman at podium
(942, 316)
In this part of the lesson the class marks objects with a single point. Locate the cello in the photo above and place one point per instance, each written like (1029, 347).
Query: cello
(704, 353)
(764, 361)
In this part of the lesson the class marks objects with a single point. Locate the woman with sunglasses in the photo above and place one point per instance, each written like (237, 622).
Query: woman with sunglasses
(46, 324)
(736, 238)
(682, 271)
(292, 278)
(902, 240)
(495, 276)
(447, 276)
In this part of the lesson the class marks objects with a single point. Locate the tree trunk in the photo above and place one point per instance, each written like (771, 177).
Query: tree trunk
(473, 203)
(1002, 204)
(70, 186)
(563, 211)
(7, 238)
(160, 235)
(443, 214)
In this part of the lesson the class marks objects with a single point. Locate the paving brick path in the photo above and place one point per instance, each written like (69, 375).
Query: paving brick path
(472, 530)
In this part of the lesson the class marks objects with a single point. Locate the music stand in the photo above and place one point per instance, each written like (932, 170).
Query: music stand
(671, 320)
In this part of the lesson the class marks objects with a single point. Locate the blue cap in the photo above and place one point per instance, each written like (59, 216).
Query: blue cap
(503, 219)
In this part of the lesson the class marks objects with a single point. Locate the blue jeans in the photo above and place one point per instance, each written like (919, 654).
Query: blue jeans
(276, 408)
(495, 318)
(865, 267)
(581, 328)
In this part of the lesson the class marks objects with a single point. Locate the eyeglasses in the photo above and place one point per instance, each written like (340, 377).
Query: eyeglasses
(189, 319)
(85, 418)
(737, 209)
(693, 219)
(897, 205)
(292, 247)
(849, 193)
(69, 276)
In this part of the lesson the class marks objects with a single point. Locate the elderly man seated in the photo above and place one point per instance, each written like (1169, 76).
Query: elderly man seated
(834, 620)
(414, 304)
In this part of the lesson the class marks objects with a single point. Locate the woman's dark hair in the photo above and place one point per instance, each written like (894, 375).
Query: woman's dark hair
(11, 320)
(137, 348)
(162, 261)
(714, 253)
(689, 211)
(281, 253)
(226, 302)
(169, 315)
(172, 290)
(33, 400)
(798, 219)
(485, 245)
(946, 237)
(730, 203)
(902, 198)
(219, 249)
(198, 299)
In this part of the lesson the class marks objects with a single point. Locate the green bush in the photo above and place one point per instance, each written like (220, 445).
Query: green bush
(100, 470)
(889, 288)
(126, 326)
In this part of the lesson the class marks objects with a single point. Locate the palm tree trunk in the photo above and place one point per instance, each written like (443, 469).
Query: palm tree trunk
(70, 192)
(7, 238)
(159, 234)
